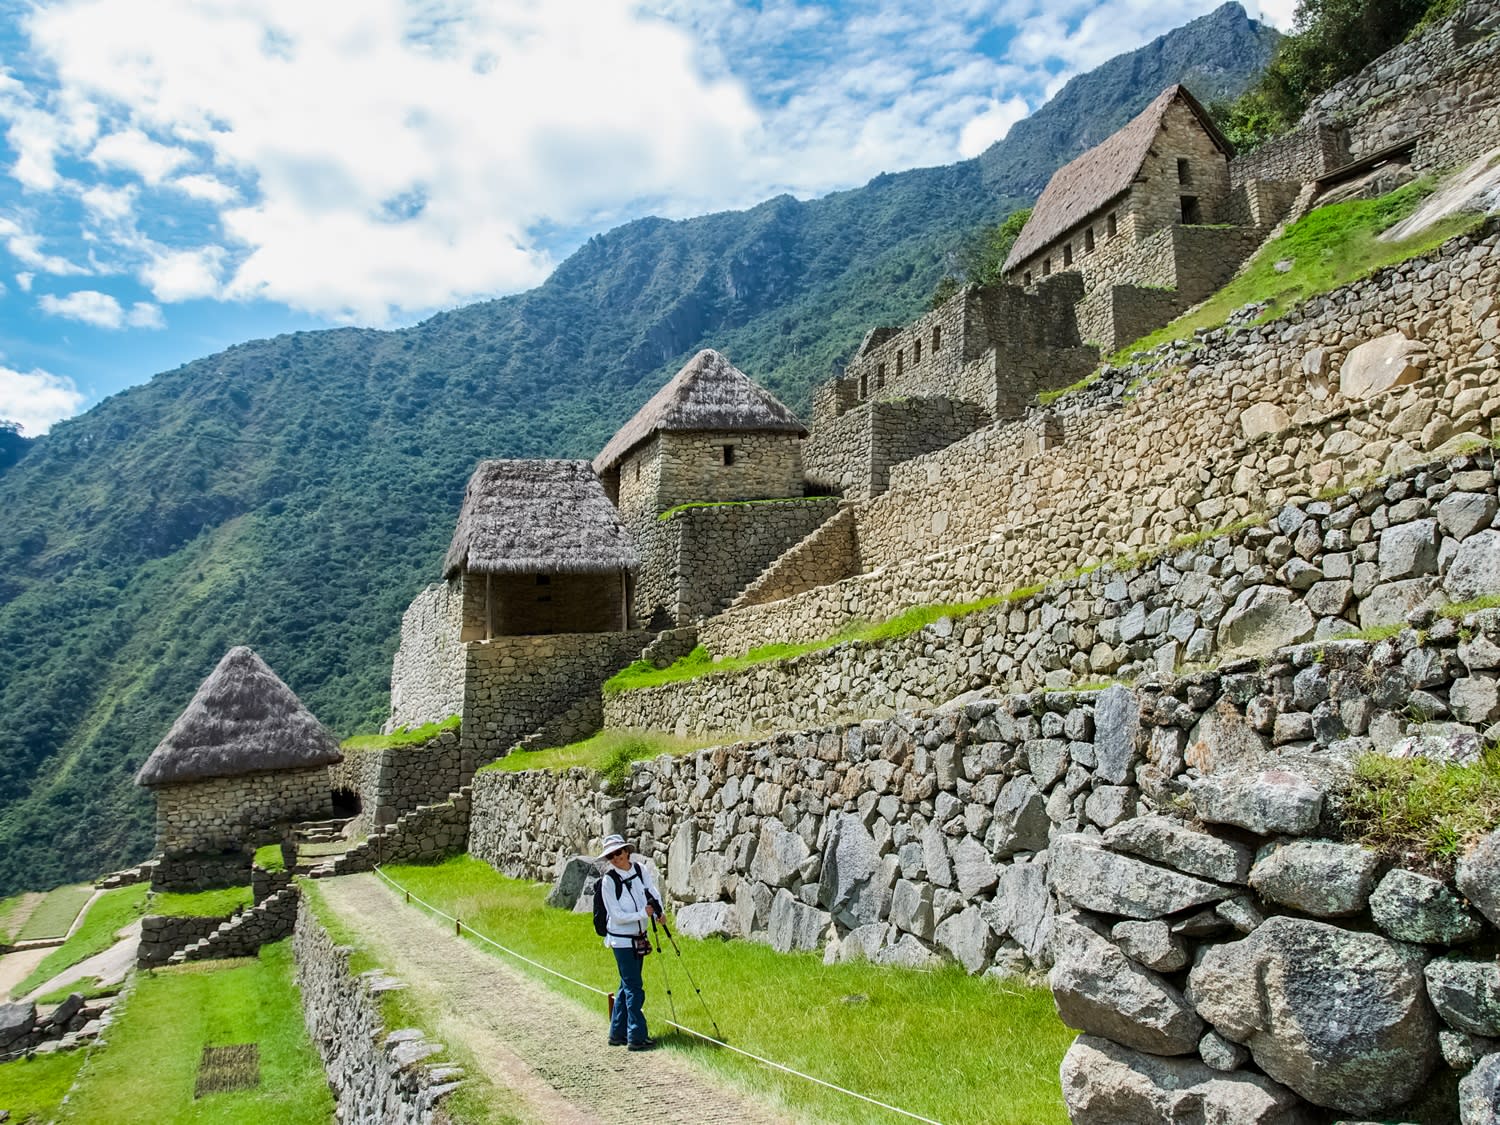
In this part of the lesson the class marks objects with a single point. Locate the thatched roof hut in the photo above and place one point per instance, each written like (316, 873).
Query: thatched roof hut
(1102, 174)
(708, 394)
(243, 719)
(538, 517)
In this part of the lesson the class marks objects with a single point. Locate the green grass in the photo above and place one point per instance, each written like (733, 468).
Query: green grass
(147, 1072)
(13, 914)
(89, 988)
(478, 1100)
(199, 904)
(1415, 809)
(401, 736)
(1329, 248)
(112, 911)
(269, 858)
(610, 752)
(32, 1089)
(55, 913)
(672, 511)
(1463, 609)
(943, 1044)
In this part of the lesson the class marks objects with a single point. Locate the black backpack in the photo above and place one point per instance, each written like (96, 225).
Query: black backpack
(601, 914)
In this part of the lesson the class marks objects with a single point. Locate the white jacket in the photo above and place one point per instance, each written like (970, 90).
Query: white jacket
(627, 909)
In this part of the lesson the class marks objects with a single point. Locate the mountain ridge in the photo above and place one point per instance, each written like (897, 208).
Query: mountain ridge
(294, 493)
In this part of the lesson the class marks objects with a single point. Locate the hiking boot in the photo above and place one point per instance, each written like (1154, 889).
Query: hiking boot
(613, 1042)
(644, 1045)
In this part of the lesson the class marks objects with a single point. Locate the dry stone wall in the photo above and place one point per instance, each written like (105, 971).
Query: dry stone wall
(1314, 572)
(427, 675)
(396, 780)
(202, 816)
(1173, 851)
(163, 935)
(1236, 421)
(829, 554)
(379, 1076)
(852, 455)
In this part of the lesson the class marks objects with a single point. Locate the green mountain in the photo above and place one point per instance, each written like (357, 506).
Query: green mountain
(293, 494)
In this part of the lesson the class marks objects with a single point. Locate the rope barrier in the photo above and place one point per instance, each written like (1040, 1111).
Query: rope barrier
(459, 927)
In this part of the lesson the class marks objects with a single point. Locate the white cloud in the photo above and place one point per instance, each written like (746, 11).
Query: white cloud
(135, 152)
(109, 204)
(182, 275)
(101, 310)
(23, 280)
(990, 126)
(36, 399)
(204, 187)
(1278, 13)
(26, 247)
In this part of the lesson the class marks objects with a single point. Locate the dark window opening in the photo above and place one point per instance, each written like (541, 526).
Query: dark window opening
(1067, 254)
(544, 579)
(1046, 267)
(864, 386)
(916, 351)
(937, 336)
(1191, 216)
(1111, 226)
(1027, 279)
(1088, 240)
(1184, 175)
(900, 361)
(728, 455)
(879, 375)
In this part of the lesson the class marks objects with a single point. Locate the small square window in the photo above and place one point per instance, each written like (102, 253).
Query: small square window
(1067, 254)
(728, 452)
(1088, 240)
(1184, 175)
(937, 337)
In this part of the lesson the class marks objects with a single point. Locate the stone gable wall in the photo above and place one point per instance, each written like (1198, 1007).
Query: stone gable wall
(853, 454)
(514, 685)
(224, 812)
(1318, 570)
(427, 673)
(396, 780)
(766, 466)
(1049, 829)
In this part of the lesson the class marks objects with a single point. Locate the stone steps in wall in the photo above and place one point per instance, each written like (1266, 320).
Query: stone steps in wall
(358, 858)
(215, 943)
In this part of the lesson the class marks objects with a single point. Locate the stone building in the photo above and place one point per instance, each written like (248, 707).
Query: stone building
(243, 761)
(681, 471)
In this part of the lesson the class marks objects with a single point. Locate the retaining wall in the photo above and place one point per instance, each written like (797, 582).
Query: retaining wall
(378, 1075)
(427, 674)
(396, 780)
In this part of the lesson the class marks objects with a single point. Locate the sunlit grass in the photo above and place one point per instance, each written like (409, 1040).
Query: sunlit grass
(1413, 808)
(943, 1044)
(111, 912)
(401, 737)
(199, 904)
(610, 752)
(32, 1089)
(56, 913)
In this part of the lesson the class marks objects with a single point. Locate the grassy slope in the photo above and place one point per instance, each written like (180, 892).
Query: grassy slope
(610, 752)
(32, 1089)
(201, 904)
(13, 914)
(112, 911)
(56, 913)
(944, 1044)
(147, 1072)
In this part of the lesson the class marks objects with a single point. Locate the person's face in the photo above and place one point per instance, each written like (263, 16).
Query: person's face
(620, 857)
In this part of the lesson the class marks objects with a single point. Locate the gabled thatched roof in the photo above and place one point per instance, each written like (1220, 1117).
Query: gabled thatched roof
(1106, 171)
(709, 393)
(242, 720)
(541, 517)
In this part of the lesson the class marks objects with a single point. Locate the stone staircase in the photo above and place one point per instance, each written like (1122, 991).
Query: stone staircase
(242, 935)
(426, 833)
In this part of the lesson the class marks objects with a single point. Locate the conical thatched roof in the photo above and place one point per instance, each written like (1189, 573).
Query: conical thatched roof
(542, 517)
(243, 720)
(1080, 188)
(709, 393)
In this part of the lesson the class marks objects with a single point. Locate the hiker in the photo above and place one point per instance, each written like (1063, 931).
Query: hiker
(630, 900)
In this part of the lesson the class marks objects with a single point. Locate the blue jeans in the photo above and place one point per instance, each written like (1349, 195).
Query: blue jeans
(627, 1021)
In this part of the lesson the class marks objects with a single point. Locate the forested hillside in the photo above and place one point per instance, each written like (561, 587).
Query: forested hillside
(293, 494)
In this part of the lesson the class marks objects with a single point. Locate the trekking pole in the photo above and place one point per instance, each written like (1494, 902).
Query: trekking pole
(662, 960)
(717, 1033)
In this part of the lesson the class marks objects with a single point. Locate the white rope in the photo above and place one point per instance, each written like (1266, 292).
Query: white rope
(670, 1023)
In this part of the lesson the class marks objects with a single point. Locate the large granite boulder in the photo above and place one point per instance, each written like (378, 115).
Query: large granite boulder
(1377, 365)
(1478, 876)
(1223, 739)
(1024, 908)
(848, 888)
(706, 920)
(1091, 877)
(1479, 1093)
(1117, 734)
(1021, 823)
(1475, 569)
(969, 937)
(1466, 993)
(1104, 1083)
(1097, 989)
(1272, 802)
(779, 855)
(16, 1022)
(1264, 618)
(1412, 907)
(1317, 877)
(1175, 844)
(577, 872)
(1340, 1017)
(795, 925)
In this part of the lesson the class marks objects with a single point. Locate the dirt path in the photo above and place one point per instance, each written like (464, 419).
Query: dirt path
(16, 967)
(544, 1047)
(111, 966)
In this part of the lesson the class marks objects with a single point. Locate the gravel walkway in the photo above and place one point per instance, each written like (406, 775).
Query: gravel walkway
(544, 1047)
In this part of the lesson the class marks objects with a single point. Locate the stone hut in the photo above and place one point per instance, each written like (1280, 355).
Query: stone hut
(712, 438)
(539, 549)
(244, 759)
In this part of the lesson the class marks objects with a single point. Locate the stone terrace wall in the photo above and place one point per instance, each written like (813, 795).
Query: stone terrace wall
(853, 454)
(829, 554)
(1304, 154)
(1237, 421)
(226, 811)
(1046, 829)
(711, 554)
(427, 675)
(376, 1074)
(514, 685)
(396, 780)
(163, 935)
(1317, 571)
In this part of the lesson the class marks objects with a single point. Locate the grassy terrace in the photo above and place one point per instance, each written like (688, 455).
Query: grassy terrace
(670, 512)
(610, 753)
(13, 914)
(400, 737)
(32, 1089)
(969, 1050)
(148, 1072)
(112, 911)
(200, 904)
(55, 914)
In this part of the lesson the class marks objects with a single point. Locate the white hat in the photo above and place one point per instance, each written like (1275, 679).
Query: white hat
(612, 843)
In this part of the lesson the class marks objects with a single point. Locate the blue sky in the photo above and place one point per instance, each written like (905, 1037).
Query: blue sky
(180, 175)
